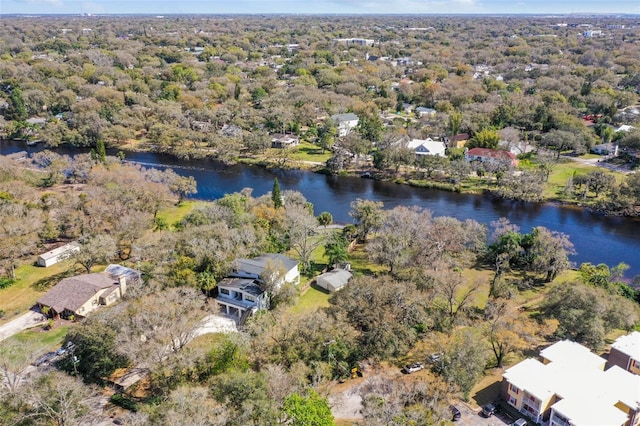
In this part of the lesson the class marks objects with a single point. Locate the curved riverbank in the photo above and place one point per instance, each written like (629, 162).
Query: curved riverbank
(597, 238)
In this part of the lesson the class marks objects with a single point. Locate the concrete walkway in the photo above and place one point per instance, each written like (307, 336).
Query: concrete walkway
(27, 320)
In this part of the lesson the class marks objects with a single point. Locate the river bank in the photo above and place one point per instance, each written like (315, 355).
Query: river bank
(597, 238)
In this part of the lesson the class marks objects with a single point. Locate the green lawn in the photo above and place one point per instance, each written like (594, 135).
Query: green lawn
(360, 263)
(32, 282)
(311, 300)
(46, 339)
(174, 214)
(309, 152)
(25, 346)
(564, 170)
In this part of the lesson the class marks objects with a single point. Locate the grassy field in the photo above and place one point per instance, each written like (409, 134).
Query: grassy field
(32, 282)
(174, 214)
(309, 152)
(360, 263)
(566, 169)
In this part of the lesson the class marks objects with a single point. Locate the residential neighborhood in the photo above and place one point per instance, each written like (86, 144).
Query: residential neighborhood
(319, 213)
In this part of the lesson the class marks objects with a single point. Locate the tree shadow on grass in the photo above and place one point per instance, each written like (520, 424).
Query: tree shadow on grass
(48, 282)
(310, 150)
(488, 394)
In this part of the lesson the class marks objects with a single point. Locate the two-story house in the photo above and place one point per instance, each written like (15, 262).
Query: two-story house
(345, 123)
(625, 352)
(240, 297)
(569, 387)
(255, 267)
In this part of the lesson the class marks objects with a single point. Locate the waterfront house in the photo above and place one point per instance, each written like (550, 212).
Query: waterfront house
(427, 147)
(345, 123)
(494, 156)
(284, 141)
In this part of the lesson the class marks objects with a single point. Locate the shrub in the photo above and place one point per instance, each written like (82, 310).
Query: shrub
(6, 282)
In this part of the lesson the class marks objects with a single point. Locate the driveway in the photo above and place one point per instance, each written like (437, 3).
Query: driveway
(215, 324)
(23, 322)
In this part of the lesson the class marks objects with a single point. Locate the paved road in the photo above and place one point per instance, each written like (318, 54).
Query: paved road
(23, 322)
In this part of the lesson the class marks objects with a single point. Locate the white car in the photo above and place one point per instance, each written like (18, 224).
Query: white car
(412, 368)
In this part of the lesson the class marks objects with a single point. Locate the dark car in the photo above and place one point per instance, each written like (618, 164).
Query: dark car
(412, 368)
(44, 359)
(455, 413)
(489, 410)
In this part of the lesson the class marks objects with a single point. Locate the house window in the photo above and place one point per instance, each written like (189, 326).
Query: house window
(513, 389)
(512, 400)
(249, 298)
(224, 291)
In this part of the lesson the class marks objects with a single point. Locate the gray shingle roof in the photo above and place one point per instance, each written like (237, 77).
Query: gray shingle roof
(246, 285)
(257, 264)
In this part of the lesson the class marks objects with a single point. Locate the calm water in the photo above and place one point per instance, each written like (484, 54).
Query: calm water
(597, 239)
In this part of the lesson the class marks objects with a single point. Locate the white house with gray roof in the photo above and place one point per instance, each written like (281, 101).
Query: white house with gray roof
(345, 122)
(334, 280)
(427, 147)
(239, 297)
(254, 268)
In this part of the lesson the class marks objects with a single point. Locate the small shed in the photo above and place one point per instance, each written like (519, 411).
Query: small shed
(56, 255)
(334, 279)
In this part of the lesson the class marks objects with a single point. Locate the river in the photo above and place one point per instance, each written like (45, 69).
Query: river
(597, 239)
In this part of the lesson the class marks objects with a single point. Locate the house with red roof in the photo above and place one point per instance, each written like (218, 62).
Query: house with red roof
(495, 156)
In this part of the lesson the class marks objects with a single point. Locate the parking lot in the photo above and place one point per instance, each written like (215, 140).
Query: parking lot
(472, 417)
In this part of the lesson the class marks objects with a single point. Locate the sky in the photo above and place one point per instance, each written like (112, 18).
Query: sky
(165, 7)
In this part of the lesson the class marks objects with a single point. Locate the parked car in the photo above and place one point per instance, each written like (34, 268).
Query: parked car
(520, 422)
(489, 410)
(455, 413)
(44, 359)
(412, 368)
(435, 357)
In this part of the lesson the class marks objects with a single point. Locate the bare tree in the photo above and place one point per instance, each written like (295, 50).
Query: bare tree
(94, 250)
(301, 227)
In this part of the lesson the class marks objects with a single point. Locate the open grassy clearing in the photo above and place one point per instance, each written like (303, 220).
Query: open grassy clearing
(564, 170)
(174, 214)
(309, 152)
(311, 300)
(32, 282)
(361, 265)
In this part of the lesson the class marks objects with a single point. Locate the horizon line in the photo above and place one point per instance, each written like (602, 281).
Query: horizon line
(538, 14)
